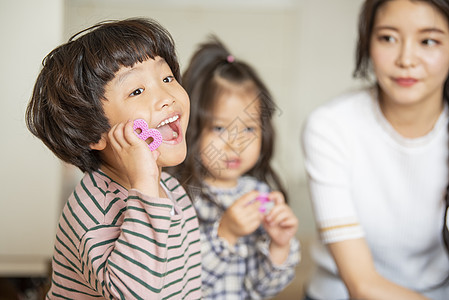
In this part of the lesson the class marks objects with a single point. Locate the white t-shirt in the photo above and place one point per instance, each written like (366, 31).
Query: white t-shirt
(368, 181)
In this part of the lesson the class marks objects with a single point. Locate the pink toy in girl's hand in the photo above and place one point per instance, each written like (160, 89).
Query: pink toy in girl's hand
(146, 133)
(265, 203)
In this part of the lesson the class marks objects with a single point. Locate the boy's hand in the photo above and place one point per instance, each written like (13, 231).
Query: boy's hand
(135, 159)
(280, 223)
(241, 218)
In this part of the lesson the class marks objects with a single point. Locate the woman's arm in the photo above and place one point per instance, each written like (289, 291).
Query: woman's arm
(357, 270)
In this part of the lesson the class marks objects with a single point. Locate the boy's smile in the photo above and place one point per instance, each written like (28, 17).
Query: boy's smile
(149, 91)
(170, 129)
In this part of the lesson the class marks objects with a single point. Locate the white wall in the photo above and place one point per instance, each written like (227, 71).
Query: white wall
(303, 50)
(29, 174)
(324, 62)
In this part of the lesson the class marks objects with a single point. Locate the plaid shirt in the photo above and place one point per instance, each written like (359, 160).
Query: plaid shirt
(244, 271)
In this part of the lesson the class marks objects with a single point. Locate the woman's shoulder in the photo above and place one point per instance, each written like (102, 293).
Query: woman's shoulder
(343, 110)
(341, 120)
(346, 104)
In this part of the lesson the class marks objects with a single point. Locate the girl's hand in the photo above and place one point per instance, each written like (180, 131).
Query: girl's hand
(241, 218)
(280, 223)
(135, 159)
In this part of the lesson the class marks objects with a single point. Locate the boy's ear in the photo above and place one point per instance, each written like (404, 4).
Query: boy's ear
(100, 145)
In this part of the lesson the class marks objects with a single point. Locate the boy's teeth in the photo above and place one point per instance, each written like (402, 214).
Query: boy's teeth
(168, 133)
(169, 120)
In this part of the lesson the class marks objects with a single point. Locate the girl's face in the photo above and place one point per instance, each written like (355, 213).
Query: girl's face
(231, 145)
(410, 52)
(149, 91)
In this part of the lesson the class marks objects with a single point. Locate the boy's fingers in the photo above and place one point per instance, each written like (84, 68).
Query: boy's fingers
(112, 137)
(130, 134)
(129, 131)
(118, 135)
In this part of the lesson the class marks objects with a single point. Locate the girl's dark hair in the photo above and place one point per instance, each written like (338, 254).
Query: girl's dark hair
(211, 65)
(362, 69)
(65, 110)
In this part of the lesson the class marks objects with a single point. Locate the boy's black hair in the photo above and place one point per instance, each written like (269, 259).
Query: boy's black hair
(65, 110)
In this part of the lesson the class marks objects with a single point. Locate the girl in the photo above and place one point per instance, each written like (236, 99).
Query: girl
(377, 161)
(246, 254)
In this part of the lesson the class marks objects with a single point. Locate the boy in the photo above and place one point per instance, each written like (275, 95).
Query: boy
(128, 230)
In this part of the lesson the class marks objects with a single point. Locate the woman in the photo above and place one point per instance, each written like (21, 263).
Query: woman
(377, 161)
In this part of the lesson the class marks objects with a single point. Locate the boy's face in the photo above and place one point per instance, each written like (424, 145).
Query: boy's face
(149, 91)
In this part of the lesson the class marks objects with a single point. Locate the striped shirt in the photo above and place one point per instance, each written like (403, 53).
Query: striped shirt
(117, 244)
(244, 271)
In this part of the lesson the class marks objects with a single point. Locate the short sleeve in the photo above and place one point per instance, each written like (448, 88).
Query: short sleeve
(327, 146)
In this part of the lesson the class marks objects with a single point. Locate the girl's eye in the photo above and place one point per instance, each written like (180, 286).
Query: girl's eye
(168, 79)
(249, 129)
(137, 92)
(218, 129)
(429, 42)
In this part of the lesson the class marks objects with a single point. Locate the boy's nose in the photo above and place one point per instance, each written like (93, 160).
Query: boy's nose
(164, 99)
(167, 103)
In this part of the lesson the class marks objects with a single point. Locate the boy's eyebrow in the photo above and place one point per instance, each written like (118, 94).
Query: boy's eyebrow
(121, 77)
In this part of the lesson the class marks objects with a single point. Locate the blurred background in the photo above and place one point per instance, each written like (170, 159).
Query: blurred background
(302, 49)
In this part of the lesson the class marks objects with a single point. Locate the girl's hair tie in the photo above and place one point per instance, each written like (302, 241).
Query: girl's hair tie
(230, 59)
